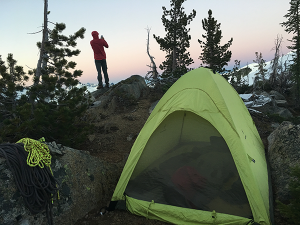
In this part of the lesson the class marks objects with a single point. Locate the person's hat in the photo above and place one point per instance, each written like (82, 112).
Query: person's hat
(95, 33)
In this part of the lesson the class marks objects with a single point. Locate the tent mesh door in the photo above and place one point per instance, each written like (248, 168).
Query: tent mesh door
(187, 163)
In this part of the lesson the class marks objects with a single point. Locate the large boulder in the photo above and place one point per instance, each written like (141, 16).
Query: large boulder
(281, 103)
(266, 94)
(84, 182)
(283, 153)
(277, 95)
(278, 98)
(123, 94)
(280, 111)
(134, 86)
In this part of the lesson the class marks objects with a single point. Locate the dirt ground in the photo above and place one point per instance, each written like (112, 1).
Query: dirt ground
(112, 139)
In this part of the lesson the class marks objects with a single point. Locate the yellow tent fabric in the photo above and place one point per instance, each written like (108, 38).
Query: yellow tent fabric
(200, 94)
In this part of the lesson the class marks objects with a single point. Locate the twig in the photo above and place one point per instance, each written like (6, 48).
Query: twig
(29, 67)
(35, 32)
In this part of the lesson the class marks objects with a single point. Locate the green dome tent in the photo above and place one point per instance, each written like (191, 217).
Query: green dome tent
(198, 159)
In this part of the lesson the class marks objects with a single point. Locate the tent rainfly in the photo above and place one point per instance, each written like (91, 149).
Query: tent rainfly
(198, 159)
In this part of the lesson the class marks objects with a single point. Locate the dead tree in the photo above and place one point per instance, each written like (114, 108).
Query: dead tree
(274, 68)
(284, 75)
(42, 62)
(152, 75)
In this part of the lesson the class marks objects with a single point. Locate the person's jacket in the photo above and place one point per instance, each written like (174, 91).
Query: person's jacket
(98, 46)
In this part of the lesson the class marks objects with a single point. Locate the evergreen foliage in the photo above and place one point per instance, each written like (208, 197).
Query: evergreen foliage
(235, 74)
(285, 81)
(261, 72)
(292, 25)
(214, 55)
(12, 81)
(238, 77)
(53, 105)
(176, 41)
(57, 83)
(291, 211)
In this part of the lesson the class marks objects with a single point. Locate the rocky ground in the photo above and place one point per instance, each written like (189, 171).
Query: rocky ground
(111, 140)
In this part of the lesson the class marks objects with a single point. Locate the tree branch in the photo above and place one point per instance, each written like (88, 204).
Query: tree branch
(35, 32)
(153, 67)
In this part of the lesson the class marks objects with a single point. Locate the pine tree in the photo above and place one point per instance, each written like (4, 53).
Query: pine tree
(12, 82)
(292, 25)
(54, 104)
(56, 80)
(57, 99)
(214, 55)
(235, 74)
(239, 77)
(261, 63)
(176, 41)
(245, 74)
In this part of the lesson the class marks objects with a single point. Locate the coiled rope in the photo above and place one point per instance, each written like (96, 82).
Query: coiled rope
(38, 152)
(35, 183)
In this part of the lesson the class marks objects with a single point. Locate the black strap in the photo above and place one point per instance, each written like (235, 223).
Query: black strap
(111, 207)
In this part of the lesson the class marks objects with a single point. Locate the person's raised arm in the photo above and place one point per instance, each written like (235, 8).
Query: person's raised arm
(105, 43)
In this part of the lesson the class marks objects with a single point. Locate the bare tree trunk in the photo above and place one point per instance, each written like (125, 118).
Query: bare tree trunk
(153, 65)
(274, 73)
(44, 61)
(298, 60)
(41, 62)
(12, 76)
(174, 58)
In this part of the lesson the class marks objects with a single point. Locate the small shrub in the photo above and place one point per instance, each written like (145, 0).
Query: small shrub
(125, 99)
(276, 118)
(291, 211)
(267, 86)
(295, 120)
(243, 89)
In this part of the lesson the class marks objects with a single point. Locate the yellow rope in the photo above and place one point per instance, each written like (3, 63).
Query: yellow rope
(38, 154)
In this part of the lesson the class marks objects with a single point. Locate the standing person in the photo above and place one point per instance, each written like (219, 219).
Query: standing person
(100, 58)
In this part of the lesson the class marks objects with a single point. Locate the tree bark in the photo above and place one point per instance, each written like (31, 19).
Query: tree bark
(298, 59)
(174, 63)
(42, 61)
(274, 73)
(153, 66)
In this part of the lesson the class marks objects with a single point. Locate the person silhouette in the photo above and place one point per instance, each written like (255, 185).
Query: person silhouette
(100, 58)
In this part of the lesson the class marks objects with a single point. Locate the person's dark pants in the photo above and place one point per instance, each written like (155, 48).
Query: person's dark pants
(102, 64)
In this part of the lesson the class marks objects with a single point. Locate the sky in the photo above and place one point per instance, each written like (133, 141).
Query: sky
(253, 25)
